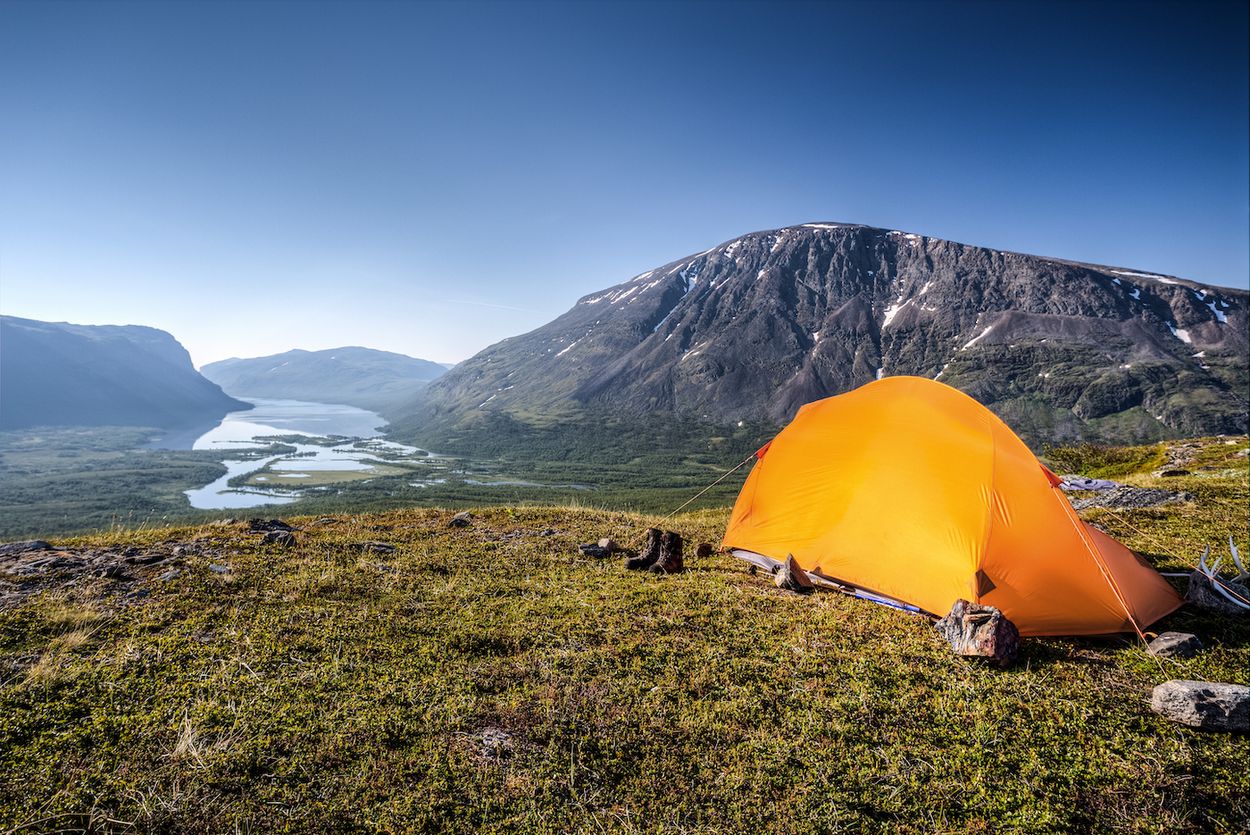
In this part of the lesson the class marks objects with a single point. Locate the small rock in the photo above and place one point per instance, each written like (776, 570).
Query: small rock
(461, 520)
(171, 574)
(1170, 473)
(705, 549)
(547, 532)
(265, 525)
(24, 547)
(325, 520)
(180, 551)
(609, 545)
(146, 559)
(1131, 498)
(114, 572)
(793, 578)
(980, 631)
(495, 743)
(373, 547)
(592, 550)
(219, 569)
(1203, 594)
(283, 539)
(1209, 705)
(1174, 645)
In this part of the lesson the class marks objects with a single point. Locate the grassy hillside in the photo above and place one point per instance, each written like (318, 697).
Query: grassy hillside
(491, 678)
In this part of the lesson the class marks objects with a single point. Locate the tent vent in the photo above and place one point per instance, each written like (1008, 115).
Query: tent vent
(984, 584)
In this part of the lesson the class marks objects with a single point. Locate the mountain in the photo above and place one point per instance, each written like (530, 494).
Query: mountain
(57, 374)
(363, 377)
(756, 327)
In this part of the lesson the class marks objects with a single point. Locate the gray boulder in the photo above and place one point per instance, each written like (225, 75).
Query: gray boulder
(283, 539)
(24, 547)
(980, 631)
(1174, 645)
(461, 520)
(1208, 705)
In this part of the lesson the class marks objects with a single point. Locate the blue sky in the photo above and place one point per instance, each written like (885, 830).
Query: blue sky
(430, 178)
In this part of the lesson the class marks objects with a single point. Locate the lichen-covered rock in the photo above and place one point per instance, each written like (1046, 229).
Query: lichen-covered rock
(267, 525)
(372, 547)
(793, 578)
(1174, 645)
(980, 631)
(461, 520)
(24, 547)
(283, 539)
(1209, 705)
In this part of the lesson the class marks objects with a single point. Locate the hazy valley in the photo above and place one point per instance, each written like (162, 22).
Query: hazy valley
(638, 395)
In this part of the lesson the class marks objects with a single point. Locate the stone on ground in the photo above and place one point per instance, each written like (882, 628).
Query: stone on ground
(24, 547)
(793, 578)
(267, 525)
(283, 539)
(1208, 705)
(1174, 645)
(980, 631)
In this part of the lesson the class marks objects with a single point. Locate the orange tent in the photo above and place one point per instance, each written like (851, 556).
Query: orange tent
(910, 489)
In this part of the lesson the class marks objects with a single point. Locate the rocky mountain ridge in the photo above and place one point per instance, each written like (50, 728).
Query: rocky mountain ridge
(755, 327)
(58, 374)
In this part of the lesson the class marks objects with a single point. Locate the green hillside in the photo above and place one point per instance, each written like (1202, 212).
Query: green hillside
(491, 678)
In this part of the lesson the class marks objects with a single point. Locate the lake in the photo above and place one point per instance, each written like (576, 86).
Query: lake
(342, 444)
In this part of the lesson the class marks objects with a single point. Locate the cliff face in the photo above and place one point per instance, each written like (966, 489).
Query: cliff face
(56, 374)
(759, 325)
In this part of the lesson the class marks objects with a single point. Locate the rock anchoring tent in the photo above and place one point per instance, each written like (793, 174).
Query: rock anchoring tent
(911, 489)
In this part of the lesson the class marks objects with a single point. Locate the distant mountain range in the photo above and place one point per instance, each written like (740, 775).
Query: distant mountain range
(57, 374)
(362, 377)
(755, 327)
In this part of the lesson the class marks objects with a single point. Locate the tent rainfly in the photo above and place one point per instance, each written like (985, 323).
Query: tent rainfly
(910, 489)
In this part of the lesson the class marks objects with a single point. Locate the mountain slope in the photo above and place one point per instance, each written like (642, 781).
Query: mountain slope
(57, 374)
(759, 325)
(360, 377)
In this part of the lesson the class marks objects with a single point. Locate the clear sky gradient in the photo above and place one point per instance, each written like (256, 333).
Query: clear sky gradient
(431, 178)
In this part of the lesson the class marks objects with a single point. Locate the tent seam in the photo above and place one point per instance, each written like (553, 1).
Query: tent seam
(989, 518)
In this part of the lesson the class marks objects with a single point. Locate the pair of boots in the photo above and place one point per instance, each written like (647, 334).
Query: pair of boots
(661, 554)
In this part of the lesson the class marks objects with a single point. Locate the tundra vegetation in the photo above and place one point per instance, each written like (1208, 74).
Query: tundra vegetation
(492, 678)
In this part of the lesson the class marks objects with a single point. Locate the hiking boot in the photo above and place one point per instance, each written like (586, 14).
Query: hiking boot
(670, 561)
(650, 552)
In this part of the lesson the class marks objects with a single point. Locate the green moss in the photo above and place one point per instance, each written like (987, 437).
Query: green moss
(1098, 461)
